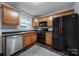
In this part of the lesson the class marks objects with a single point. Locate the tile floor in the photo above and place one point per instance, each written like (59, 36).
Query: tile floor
(37, 50)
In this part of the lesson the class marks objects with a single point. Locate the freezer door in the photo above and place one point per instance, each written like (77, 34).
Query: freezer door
(70, 33)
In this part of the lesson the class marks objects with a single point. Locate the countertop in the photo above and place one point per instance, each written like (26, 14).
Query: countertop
(9, 33)
(16, 33)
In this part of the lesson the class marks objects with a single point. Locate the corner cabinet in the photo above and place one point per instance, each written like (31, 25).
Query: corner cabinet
(35, 22)
(33, 37)
(29, 38)
(10, 16)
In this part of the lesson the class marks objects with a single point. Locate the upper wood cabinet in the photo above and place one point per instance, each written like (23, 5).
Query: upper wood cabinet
(43, 19)
(64, 13)
(10, 16)
(49, 21)
(35, 22)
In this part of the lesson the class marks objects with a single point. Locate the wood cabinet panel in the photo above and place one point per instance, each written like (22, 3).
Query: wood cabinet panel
(34, 37)
(10, 16)
(49, 39)
(26, 40)
(49, 22)
(29, 38)
(43, 19)
(64, 13)
(35, 22)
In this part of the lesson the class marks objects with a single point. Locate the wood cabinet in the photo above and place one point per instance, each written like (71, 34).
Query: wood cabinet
(35, 22)
(34, 37)
(10, 16)
(64, 13)
(26, 39)
(49, 39)
(49, 18)
(49, 21)
(29, 38)
(43, 19)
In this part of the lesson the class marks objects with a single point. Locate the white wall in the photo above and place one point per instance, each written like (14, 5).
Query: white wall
(76, 7)
(0, 32)
(28, 19)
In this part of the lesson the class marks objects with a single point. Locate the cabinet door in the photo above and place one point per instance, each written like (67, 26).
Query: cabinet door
(10, 16)
(49, 21)
(26, 40)
(34, 37)
(35, 22)
(43, 19)
(49, 39)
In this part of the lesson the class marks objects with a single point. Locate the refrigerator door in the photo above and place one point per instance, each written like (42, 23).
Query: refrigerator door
(70, 36)
(56, 34)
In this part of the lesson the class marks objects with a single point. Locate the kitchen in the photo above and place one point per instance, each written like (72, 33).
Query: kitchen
(28, 29)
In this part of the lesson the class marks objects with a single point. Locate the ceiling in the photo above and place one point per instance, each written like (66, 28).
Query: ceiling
(41, 8)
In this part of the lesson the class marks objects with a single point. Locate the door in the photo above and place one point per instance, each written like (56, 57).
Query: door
(70, 30)
(49, 40)
(56, 33)
(10, 16)
(34, 37)
(35, 22)
(26, 40)
(41, 37)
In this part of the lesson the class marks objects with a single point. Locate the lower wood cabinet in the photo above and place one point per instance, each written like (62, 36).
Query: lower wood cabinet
(26, 40)
(34, 37)
(29, 38)
(49, 39)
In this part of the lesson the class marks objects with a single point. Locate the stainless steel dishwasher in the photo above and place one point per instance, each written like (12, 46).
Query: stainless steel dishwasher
(13, 44)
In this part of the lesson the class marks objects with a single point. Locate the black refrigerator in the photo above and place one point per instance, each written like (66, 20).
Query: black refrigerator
(65, 34)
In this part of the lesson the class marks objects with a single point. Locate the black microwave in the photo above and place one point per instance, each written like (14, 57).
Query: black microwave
(43, 24)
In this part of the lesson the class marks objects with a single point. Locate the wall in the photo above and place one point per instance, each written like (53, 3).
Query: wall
(22, 16)
(0, 32)
(28, 19)
(76, 7)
